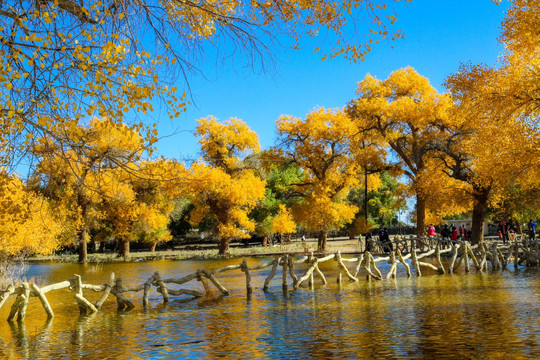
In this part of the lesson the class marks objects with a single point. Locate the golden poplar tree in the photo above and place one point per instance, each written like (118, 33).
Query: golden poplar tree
(493, 145)
(283, 222)
(407, 112)
(77, 176)
(222, 186)
(63, 60)
(320, 146)
(137, 200)
(28, 224)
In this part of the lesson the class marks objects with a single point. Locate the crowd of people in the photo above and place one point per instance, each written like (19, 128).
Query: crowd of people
(451, 232)
(507, 231)
(448, 232)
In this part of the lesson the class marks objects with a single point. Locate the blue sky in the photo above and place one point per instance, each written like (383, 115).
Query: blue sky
(439, 35)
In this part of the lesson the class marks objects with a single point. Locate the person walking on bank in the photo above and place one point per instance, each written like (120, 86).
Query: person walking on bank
(504, 228)
(386, 242)
(369, 239)
(532, 229)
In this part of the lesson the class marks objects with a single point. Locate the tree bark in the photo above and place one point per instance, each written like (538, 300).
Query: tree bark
(420, 214)
(153, 247)
(83, 245)
(481, 196)
(224, 246)
(321, 241)
(124, 248)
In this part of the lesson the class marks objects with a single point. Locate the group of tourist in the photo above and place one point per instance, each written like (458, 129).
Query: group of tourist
(448, 232)
(384, 240)
(451, 232)
(507, 231)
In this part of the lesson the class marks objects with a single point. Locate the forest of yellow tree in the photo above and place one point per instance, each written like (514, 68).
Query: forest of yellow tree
(74, 75)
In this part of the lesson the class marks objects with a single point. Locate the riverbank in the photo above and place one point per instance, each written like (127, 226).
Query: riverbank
(210, 251)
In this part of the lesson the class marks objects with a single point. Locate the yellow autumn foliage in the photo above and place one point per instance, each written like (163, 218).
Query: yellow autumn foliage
(320, 145)
(408, 113)
(283, 222)
(222, 187)
(62, 60)
(27, 221)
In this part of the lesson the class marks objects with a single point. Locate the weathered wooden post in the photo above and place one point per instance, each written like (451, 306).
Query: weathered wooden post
(501, 257)
(6, 294)
(337, 258)
(455, 248)
(402, 260)
(367, 266)
(439, 262)
(162, 287)
(15, 307)
(22, 308)
(466, 257)
(83, 303)
(473, 257)
(43, 300)
(272, 273)
(106, 291)
(291, 270)
(308, 273)
(415, 263)
(393, 267)
(358, 265)
(245, 269)
(284, 274)
(122, 301)
(369, 263)
(495, 262)
(215, 282)
(374, 265)
(344, 268)
(516, 255)
(146, 290)
(321, 274)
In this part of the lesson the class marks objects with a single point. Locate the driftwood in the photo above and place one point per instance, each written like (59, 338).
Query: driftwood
(402, 260)
(455, 249)
(415, 263)
(440, 265)
(245, 269)
(275, 264)
(284, 272)
(291, 271)
(43, 300)
(106, 291)
(121, 300)
(358, 265)
(461, 252)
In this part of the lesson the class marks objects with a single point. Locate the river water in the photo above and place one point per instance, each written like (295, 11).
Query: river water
(465, 316)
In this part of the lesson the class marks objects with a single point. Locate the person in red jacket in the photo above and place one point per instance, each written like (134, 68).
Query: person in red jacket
(454, 235)
(431, 231)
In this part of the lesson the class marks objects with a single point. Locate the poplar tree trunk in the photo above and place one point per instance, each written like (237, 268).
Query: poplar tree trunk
(420, 215)
(321, 241)
(153, 247)
(83, 245)
(124, 248)
(481, 196)
(224, 246)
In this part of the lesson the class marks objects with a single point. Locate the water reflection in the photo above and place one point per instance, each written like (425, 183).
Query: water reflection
(451, 316)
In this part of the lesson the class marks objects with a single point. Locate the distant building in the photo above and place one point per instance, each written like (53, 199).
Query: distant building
(467, 223)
